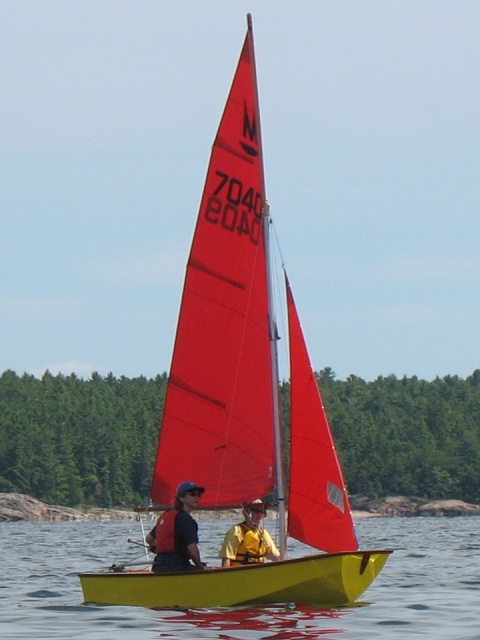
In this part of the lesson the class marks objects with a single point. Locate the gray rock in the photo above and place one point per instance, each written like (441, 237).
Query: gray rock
(18, 507)
(403, 506)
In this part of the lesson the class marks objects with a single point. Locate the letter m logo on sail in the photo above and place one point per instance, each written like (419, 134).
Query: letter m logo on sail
(249, 133)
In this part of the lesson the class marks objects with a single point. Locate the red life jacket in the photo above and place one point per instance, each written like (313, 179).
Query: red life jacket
(165, 532)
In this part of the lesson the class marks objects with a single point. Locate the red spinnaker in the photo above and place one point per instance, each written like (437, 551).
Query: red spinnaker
(217, 426)
(318, 511)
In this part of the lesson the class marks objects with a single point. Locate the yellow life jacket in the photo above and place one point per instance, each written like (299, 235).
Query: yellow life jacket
(252, 549)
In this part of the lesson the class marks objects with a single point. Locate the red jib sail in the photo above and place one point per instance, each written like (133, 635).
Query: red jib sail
(217, 426)
(318, 511)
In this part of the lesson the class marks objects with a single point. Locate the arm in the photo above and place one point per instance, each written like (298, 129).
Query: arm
(195, 554)
(231, 542)
(187, 529)
(150, 540)
(272, 552)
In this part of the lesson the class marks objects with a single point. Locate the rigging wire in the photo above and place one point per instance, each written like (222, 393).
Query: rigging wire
(122, 550)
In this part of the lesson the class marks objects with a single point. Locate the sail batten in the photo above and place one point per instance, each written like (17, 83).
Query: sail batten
(194, 264)
(182, 385)
(223, 144)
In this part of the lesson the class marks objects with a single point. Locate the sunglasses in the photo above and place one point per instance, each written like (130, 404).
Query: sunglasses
(194, 492)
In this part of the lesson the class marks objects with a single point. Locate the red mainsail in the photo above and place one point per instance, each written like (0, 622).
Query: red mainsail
(217, 426)
(318, 510)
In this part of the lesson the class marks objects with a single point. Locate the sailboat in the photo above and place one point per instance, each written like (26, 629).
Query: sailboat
(221, 423)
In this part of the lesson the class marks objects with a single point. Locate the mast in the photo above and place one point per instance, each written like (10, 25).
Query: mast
(273, 336)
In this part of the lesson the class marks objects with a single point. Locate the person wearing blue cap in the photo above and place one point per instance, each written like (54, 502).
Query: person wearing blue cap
(174, 538)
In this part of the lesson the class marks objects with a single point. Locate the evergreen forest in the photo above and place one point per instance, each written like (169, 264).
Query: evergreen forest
(69, 441)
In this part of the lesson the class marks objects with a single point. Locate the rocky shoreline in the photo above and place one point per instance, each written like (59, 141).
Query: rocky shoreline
(408, 507)
(15, 507)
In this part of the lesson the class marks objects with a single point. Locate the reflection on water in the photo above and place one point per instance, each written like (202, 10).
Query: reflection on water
(276, 623)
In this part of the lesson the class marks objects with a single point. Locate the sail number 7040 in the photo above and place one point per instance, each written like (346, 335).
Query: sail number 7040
(235, 208)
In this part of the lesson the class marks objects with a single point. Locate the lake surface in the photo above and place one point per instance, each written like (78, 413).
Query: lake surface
(429, 588)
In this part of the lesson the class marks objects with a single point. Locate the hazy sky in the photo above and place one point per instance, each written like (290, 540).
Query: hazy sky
(371, 130)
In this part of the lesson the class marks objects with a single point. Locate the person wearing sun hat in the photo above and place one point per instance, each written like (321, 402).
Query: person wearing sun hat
(174, 537)
(248, 542)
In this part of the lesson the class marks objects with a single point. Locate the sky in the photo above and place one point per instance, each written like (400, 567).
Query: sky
(371, 133)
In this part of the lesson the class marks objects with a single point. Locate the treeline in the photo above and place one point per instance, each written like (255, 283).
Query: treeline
(65, 440)
(69, 441)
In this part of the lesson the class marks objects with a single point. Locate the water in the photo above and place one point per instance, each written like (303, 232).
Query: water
(430, 587)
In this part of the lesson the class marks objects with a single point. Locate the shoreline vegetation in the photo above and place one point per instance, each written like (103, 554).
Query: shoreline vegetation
(69, 441)
(18, 507)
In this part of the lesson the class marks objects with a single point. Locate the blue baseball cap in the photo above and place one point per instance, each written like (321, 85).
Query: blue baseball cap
(184, 487)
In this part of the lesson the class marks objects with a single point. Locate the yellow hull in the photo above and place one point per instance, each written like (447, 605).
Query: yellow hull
(329, 580)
